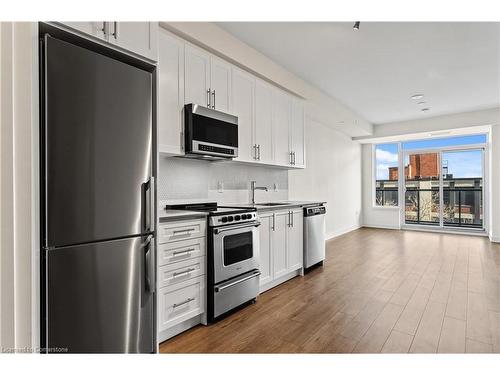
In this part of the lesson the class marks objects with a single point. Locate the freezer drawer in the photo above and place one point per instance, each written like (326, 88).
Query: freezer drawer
(100, 297)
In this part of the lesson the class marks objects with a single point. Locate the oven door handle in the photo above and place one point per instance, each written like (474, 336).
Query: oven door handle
(236, 282)
(232, 227)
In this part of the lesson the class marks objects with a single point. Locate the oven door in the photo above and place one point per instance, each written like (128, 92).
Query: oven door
(236, 250)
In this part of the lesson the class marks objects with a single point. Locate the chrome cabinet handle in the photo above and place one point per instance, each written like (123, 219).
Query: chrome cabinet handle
(183, 251)
(213, 94)
(294, 158)
(255, 152)
(274, 222)
(115, 30)
(175, 274)
(293, 219)
(104, 28)
(183, 231)
(182, 303)
(291, 157)
(208, 98)
(258, 148)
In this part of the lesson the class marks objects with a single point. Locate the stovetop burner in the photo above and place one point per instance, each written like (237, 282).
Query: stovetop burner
(219, 215)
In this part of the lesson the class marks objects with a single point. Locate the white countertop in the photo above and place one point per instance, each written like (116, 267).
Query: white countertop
(167, 215)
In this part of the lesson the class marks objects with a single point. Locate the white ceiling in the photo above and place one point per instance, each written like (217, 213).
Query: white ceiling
(375, 70)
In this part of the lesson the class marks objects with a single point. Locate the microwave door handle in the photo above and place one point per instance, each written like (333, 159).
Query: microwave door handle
(213, 94)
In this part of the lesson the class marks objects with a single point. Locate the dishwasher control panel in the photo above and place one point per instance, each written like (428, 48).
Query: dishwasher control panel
(311, 211)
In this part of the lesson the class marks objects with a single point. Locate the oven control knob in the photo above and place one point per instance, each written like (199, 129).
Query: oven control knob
(224, 219)
(229, 218)
(237, 217)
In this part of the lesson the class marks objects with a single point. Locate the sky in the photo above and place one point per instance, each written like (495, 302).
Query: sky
(460, 164)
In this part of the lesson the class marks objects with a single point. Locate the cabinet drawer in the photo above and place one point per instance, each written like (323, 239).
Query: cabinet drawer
(173, 252)
(176, 273)
(181, 230)
(180, 302)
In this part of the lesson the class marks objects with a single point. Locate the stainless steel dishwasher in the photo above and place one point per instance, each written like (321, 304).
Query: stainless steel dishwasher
(314, 236)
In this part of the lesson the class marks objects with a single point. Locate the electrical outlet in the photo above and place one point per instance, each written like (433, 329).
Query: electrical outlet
(220, 186)
(275, 187)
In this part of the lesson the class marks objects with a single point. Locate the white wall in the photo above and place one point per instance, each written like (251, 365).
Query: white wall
(379, 217)
(19, 186)
(480, 120)
(333, 174)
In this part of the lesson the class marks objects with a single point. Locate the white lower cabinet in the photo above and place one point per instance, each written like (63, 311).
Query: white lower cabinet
(181, 276)
(281, 246)
(180, 302)
(265, 255)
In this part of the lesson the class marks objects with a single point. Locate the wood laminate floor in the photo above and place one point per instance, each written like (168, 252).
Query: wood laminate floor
(379, 291)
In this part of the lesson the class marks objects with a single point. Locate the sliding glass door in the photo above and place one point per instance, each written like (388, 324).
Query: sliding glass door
(463, 188)
(444, 188)
(422, 193)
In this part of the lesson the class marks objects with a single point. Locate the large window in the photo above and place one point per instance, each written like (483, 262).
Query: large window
(386, 174)
(441, 180)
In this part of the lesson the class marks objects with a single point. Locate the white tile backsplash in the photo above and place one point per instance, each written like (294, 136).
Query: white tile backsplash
(182, 179)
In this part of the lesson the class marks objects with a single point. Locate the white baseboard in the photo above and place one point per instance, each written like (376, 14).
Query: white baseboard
(494, 238)
(338, 233)
(381, 226)
(280, 280)
(179, 328)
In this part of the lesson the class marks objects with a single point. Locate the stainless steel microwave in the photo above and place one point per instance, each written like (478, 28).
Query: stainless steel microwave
(210, 134)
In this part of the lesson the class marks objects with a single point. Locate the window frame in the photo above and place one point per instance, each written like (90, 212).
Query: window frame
(374, 176)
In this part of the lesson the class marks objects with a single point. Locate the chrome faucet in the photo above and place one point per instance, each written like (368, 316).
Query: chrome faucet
(253, 188)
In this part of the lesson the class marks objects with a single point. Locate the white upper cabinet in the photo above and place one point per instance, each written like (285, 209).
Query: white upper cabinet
(297, 141)
(270, 120)
(263, 137)
(196, 76)
(242, 105)
(138, 37)
(281, 127)
(220, 84)
(170, 93)
(97, 29)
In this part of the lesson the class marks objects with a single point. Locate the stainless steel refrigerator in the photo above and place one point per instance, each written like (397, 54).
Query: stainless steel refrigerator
(98, 200)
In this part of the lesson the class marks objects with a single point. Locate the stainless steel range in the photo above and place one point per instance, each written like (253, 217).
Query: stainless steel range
(233, 257)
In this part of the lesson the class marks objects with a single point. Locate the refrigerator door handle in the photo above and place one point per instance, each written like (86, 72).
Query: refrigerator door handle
(148, 205)
(148, 272)
(152, 200)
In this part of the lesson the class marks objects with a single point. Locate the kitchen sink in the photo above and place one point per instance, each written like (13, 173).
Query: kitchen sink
(271, 204)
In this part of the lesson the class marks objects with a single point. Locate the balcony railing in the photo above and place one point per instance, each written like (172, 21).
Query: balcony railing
(462, 201)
